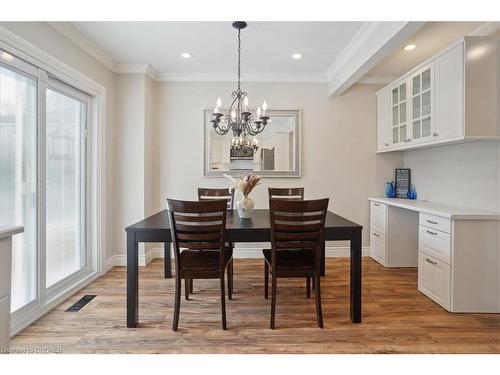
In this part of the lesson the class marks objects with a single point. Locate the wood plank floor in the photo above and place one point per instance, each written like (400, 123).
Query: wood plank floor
(396, 317)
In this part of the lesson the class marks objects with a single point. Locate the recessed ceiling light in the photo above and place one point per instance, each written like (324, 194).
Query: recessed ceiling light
(410, 47)
(186, 55)
(297, 56)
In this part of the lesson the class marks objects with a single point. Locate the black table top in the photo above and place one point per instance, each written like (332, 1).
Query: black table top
(259, 221)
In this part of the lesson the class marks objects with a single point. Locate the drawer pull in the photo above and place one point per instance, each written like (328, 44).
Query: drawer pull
(376, 204)
(376, 234)
(432, 222)
(431, 261)
(433, 233)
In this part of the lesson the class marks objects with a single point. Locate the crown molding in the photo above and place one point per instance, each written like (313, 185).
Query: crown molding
(352, 47)
(71, 33)
(372, 43)
(249, 77)
(486, 29)
(377, 79)
(138, 69)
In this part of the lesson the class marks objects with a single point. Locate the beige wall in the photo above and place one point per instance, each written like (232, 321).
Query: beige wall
(338, 143)
(465, 174)
(128, 197)
(47, 39)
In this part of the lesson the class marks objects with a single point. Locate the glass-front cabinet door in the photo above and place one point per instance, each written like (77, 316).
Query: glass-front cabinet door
(399, 117)
(421, 104)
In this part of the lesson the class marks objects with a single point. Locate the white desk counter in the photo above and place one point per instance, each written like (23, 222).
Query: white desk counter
(439, 209)
(456, 250)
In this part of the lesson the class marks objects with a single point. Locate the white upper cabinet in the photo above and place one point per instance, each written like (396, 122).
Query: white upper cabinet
(452, 97)
(449, 73)
(399, 113)
(384, 117)
(422, 104)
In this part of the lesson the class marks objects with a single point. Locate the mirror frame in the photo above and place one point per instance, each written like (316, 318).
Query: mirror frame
(296, 173)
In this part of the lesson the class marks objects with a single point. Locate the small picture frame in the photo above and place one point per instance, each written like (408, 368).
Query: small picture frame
(402, 182)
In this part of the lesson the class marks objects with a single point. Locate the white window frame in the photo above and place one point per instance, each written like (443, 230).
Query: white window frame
(23, 50)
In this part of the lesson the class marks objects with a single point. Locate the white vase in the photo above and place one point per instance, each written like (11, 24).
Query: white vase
(244, 206)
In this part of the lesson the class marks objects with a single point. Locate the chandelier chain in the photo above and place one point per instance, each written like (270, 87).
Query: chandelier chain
(239, 60)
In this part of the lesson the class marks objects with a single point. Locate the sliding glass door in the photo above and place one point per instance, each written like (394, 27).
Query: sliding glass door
(18, 178)
(43, 183)
(66, 112)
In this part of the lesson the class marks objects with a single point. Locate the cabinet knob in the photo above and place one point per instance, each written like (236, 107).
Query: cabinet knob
(386, 144)
(434, 134)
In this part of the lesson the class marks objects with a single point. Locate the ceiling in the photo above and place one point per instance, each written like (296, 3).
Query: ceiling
(429, 40)
(267, 47)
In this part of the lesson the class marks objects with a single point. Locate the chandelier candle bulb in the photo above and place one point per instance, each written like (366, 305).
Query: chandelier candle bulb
(264, 108)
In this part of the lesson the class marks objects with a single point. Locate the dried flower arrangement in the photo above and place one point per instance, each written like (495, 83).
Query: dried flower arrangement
(245, 184)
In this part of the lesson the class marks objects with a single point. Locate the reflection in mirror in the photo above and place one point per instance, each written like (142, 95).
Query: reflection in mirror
(274, 152)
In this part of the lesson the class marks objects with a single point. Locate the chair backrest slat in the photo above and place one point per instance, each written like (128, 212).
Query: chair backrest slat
(205, 194)
(286, 193)
(297, 224)
(199, 225)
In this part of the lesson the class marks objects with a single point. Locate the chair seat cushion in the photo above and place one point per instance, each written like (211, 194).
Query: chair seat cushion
(291, 259)
(204, 259)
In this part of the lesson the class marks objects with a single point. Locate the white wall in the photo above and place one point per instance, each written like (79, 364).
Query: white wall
(338, 143)
(47, 39)
(465, 174)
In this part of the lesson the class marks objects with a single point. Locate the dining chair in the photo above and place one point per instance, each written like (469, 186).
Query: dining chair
(286, 193)
(292, 194)
(205, 194)
(199, 229)
(296, 235)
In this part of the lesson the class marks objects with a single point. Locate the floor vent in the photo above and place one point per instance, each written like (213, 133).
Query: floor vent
(78, 305)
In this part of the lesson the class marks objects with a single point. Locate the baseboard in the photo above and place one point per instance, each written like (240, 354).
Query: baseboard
(239, 253)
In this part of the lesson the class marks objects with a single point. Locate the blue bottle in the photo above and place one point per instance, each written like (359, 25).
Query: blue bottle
(390, 191)
(412, 193)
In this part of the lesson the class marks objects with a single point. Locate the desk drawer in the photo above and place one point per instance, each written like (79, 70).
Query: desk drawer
(434, 279)
(377, 246)
(378, 216)
(435, 243)
(436, 222)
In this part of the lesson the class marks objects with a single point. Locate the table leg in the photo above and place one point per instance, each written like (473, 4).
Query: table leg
(322, 265)
(132, 280)
(167, 260)
(356, 276)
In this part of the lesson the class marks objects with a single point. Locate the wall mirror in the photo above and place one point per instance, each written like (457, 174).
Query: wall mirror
(273, 153)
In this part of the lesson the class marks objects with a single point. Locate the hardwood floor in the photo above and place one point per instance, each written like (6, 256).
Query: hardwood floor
(396, 317)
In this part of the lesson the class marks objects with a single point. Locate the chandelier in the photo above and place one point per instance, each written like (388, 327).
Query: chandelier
(239, 119)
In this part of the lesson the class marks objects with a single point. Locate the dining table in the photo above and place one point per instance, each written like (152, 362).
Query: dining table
(156, 228)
